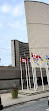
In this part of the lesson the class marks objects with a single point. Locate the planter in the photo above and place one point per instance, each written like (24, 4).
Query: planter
(14, 92)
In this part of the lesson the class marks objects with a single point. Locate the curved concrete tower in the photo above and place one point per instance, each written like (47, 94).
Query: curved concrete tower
(37, 19)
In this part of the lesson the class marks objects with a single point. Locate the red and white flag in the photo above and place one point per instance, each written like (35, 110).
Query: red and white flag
(22, 60)
(34, 55)
(25, 60)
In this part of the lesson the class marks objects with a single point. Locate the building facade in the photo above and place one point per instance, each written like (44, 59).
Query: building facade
(37, 20)
(18, 49)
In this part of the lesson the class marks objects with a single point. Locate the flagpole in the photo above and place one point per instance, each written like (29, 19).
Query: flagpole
(33, 77)
(34, 80)
(29, 74)
(21, 74)
(26, 74)
(41, 77)
(34, 74)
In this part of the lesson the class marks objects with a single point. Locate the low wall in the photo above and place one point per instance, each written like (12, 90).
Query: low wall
(9, 76)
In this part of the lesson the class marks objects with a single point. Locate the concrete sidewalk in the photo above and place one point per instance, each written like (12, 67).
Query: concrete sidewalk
(24, 96)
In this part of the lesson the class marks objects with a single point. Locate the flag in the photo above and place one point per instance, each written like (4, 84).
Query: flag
(47, 60)
(31, 54)
(47, 57)
(26, 60)
(29, 60)
(36, 57)
(40, 58)
(22, 60)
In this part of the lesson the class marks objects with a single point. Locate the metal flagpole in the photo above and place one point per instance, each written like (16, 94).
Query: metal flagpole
(33, 76)
(26, 74)
(41, 77)
(21, 74)
(35, 80)
(29, 74)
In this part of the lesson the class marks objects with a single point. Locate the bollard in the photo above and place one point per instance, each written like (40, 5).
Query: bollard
(1, 106)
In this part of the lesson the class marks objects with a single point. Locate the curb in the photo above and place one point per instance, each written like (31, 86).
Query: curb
(5, 107)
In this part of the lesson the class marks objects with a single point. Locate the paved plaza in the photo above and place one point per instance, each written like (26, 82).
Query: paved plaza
(39, 105)
(24, 96)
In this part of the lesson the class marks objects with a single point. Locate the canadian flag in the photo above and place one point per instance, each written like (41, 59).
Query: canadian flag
(34, 55)
(22, 60)
(25, 60)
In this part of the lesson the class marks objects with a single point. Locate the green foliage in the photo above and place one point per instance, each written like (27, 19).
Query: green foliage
(14, 92)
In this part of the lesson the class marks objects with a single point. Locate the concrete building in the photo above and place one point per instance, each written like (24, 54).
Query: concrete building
(37, 20)
(18, 49)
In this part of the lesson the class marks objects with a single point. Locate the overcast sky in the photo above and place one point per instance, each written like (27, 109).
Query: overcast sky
(12, 26)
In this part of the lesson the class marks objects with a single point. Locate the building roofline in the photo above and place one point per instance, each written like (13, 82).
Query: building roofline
(19, 41)
(37, 2)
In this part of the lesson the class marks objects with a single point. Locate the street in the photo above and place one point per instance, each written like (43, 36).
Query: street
(38, 105)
